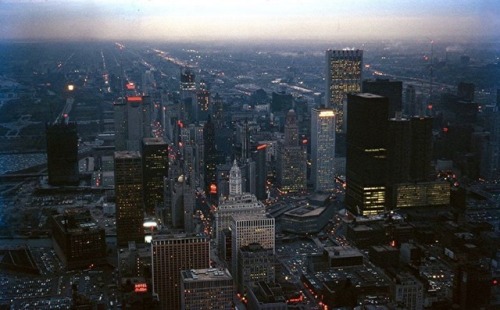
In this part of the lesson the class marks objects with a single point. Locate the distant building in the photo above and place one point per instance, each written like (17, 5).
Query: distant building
(170, 255)
(466, 91)
(154, 171)
(62, 153)
(393, 90)
(343, 75)
(366, 153)
(78, 241)
(259, 156)
(218, 110)
(206, 289)
(323, 149)
(281, 102)
(129, 197)
(210, 158)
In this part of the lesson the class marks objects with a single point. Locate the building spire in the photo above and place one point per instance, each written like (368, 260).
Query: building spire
(235, 180)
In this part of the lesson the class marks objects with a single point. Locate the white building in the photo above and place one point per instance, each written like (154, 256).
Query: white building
(408, 292)
(236, 203)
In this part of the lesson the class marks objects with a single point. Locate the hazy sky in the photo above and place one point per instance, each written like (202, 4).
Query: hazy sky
(247, 19)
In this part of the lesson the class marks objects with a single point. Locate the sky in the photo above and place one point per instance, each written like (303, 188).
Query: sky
(191, 20)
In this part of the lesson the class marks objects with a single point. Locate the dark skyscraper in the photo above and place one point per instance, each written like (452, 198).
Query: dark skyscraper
(129, 197)
(466, 91)
(62, 153)
(421, 152)
(218, 110)
(154, 171)
(259, 156)
(393, 90)
(398, 149)
(366, 153)
(281, 102)
(292, 169)
(210, 156)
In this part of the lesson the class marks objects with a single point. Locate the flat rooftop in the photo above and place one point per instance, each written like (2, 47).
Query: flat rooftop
(210, 274)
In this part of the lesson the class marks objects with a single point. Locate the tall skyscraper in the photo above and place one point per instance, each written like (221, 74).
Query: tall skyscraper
(366, 153)
(170, 255)
(218, 110)
(138, 121)
(62, 153)
(292, 159)
(398, 154)
(323, 149)
(247, 229)
(343, 76)
(154, 171)
(393, 90)
(129, 197)
(210, 157)
(188, 95)
(421, 151)
(132, 122)
(259, 156)
(206, 289)
(410, 102)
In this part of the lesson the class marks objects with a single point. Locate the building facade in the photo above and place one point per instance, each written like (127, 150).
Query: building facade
(343, 76)
(292, 159)
(206, 289)
(154, 171)
(170, 255)
(323, 149)
(366, 153)
(129, 197)
(250, 228)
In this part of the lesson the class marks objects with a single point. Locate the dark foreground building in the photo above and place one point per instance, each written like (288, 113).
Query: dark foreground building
(78, 241)
(62, 153)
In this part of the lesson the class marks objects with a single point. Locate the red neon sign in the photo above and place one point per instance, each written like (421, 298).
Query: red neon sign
(134, 99)
(261, 147)
(213, 189)
(140, 288)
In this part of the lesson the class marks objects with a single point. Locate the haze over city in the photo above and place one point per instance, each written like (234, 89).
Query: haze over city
(198, 20)
(264, 154)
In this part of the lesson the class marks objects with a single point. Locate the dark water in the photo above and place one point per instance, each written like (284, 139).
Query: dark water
(16, 162)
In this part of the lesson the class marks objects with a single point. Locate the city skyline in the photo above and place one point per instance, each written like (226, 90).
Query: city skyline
(196, 20)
